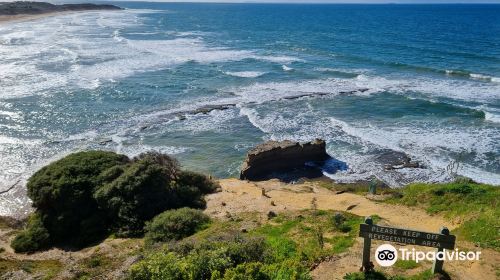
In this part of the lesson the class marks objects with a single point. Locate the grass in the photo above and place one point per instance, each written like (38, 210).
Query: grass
(284, 247)
(476, 205)
(356, 188)
(406, 264)
(376, 275)
(43, 269)
(310, 235)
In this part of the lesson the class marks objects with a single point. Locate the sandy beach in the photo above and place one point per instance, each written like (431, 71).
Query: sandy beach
(26, 17)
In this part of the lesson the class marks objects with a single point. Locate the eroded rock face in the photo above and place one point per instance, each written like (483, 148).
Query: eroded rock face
(274, 156)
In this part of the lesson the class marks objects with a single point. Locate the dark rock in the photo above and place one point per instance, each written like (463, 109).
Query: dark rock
(205, 109)
(105, 142)
(319, 94)
(34, 8)
(351, 207)
(274, 156)
(271, 214)
(209, 108)
(396, 160)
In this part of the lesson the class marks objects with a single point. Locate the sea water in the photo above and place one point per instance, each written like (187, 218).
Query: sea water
(419, 79)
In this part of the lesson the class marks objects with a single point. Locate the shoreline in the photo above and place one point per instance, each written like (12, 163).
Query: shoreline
(4, 19)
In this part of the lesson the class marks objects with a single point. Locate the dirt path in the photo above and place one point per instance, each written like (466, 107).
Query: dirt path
(242, 196)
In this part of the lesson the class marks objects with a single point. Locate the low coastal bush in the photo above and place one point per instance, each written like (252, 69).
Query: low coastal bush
(258, 271)
(175, 225)
(35, 237)
(284, 249)
(62, 194)
(87, 195)
(239, 257)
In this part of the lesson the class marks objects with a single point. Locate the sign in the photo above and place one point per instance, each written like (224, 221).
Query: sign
(369, 231)
(407, 236)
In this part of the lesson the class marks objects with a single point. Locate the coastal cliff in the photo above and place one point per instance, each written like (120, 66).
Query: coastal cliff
(274, 156)
(35, 8)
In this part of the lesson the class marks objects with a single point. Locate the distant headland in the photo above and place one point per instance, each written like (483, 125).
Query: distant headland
(28, 10)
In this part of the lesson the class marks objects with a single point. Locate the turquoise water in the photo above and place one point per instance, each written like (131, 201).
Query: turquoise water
(421, 79)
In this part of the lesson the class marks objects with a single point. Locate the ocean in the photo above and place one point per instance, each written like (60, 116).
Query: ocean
(419, 79)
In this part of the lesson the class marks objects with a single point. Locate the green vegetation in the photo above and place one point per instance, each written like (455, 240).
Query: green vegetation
(150, 195)
(357, 188)
(476, 205)
(406, 264)
(87, 195)
(375, 275)
(284, 248)
(175, 225)
(45, 269)
(34, 238)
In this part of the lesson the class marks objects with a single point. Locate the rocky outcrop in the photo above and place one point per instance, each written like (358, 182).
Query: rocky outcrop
(396, 160)
(34, 8)
(274, 156)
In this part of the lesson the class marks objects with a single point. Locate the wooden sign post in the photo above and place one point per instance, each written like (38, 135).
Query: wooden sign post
(369, 231)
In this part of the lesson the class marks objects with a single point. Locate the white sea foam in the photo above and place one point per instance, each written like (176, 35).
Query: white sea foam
(473, 76)
(423, 141)
(245, 74)
(486, 78)
(465, 90)
(135, 150)
(85, 49)
(343, 70)
(286, 68)
(492, 117)
(430, 143)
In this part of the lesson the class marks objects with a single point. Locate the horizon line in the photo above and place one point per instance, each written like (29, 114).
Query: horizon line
(306, 2)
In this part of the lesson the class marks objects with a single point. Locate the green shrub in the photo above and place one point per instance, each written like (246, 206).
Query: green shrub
(158, 266)
(33, 238)
(246, 271)
(289, 269)
(142, 190)
(62, 193)
(199, 260)
(85, 196)
(149, 185)
(194, 266)
(175, 224)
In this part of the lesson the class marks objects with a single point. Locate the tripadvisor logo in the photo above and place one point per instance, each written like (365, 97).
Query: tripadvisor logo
(387, 255)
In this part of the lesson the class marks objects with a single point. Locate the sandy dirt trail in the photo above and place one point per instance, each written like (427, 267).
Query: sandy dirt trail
(241, 196)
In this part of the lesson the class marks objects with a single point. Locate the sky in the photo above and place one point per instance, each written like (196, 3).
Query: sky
(337, 1)
(291, 1)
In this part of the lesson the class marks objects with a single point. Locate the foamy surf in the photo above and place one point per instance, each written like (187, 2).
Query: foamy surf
(245, 74)
(104, 54)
